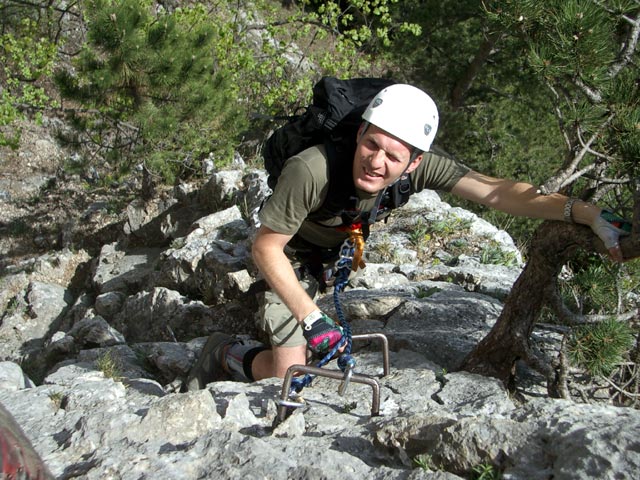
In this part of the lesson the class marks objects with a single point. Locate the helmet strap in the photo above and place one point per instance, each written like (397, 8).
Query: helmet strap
(415, 153)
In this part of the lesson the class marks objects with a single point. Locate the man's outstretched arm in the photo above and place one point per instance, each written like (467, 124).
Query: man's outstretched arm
(522, 199)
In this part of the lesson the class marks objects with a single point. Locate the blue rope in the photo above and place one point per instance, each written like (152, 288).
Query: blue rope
(345, 360)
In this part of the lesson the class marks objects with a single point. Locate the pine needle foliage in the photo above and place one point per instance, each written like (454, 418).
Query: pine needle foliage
(153, 77)
(576, 48)
(593, 286)
(551, 76)
(599, 347)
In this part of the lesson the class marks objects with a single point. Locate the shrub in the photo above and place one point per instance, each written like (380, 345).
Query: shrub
(599, 347)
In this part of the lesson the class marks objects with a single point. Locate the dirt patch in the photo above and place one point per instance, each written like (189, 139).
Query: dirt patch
(38, 151)
(44, 207)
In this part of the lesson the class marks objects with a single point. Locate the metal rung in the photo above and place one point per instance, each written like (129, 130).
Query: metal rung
(385, 348)
(336, 375)
(290, 403)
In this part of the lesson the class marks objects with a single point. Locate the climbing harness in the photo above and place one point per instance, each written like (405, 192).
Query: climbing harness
(350, 258)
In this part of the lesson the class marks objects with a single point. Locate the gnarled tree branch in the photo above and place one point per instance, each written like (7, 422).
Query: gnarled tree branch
(553, 244)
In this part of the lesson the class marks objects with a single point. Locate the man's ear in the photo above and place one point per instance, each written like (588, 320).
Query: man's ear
(414, 163)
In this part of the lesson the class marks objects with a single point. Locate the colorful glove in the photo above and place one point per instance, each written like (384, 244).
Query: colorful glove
(321, 332)
(610, 227)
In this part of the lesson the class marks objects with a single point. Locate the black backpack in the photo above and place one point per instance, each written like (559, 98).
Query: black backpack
(332, 119)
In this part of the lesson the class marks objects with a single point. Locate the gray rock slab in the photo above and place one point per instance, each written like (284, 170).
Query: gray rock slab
(443, 327)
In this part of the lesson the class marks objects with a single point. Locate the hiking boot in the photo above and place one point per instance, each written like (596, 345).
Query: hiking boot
(209, 367)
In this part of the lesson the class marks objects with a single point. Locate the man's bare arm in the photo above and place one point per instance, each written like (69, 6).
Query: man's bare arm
(522, 199)
(268, 254)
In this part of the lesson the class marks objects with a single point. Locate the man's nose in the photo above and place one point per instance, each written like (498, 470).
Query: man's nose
(378, 158)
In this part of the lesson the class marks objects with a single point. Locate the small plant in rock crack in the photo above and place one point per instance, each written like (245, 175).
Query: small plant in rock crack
(12, 306)
(109, 366)
(348, 407)
(424, 292)
(485, 471)
(493, 254)
(419, 234)
(425, 462)
(57, 398)
(385, 249)
(178, 243)
(441, 376)
(450, 226)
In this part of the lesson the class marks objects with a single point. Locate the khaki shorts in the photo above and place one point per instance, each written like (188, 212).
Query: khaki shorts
(276, 319)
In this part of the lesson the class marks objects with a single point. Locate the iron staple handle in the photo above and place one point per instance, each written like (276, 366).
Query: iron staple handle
(336, 375)
(385, 348)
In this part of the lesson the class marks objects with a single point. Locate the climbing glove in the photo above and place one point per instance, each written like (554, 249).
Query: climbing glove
(321, 332)
(610, 227)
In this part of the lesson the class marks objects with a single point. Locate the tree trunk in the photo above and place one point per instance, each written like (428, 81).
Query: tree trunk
(553, 244)
(464, 83)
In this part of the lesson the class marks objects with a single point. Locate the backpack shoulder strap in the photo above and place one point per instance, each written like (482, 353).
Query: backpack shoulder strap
(341, 190)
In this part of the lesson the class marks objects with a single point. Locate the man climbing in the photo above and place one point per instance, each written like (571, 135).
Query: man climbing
(393, 142)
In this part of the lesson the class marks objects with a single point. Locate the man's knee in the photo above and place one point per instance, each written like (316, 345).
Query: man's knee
(285, 357)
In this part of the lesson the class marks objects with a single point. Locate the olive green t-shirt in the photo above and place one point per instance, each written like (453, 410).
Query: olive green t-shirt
(304, 182)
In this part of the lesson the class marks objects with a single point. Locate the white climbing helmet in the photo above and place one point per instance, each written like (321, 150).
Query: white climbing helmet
(407, 113)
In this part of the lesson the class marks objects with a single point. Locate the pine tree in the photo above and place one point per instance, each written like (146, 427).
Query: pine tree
(152, 86)
(586, 56)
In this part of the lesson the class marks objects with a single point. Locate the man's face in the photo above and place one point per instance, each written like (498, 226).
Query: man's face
(380, 159)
